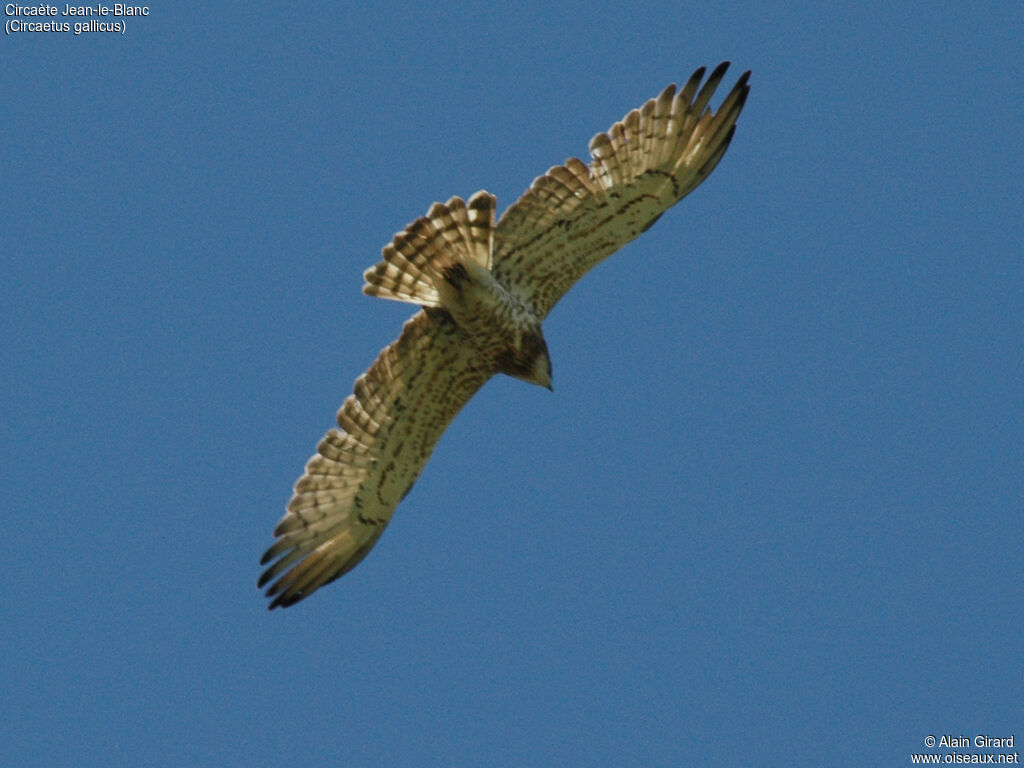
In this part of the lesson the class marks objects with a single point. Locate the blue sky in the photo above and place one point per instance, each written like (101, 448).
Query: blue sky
(771, 514)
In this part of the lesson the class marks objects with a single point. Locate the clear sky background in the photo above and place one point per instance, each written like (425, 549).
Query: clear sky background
(771, 514)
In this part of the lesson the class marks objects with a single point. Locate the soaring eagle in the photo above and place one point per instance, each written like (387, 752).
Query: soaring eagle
(484, 289)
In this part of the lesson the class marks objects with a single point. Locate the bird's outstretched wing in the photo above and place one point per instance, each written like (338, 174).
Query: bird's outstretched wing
(575, 215)
(388, 429)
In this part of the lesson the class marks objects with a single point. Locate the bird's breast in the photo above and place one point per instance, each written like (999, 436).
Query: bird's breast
(498, 323)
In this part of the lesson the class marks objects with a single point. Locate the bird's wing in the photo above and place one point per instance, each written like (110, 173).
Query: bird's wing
(388, 429)
(575, 215)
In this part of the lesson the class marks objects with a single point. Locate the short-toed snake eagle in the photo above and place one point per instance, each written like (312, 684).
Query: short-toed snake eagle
(484, 289)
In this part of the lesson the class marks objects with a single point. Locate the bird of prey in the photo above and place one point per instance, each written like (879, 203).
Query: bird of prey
(484, 288)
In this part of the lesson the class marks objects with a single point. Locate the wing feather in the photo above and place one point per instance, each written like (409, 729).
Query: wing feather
(576, 215)
(387, 430)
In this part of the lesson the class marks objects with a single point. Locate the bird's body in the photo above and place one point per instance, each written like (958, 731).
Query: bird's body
(484, 289)
(501, 326)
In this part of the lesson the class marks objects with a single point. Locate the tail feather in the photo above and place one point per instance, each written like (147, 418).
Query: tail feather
(414, 262)
(403, 274)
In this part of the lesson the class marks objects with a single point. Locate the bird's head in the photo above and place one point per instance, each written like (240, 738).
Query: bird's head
(529, 360)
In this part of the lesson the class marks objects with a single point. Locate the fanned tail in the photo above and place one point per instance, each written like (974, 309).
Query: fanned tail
(456, 232)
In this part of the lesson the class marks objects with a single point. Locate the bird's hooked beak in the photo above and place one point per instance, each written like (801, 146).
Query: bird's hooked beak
(542, 371)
